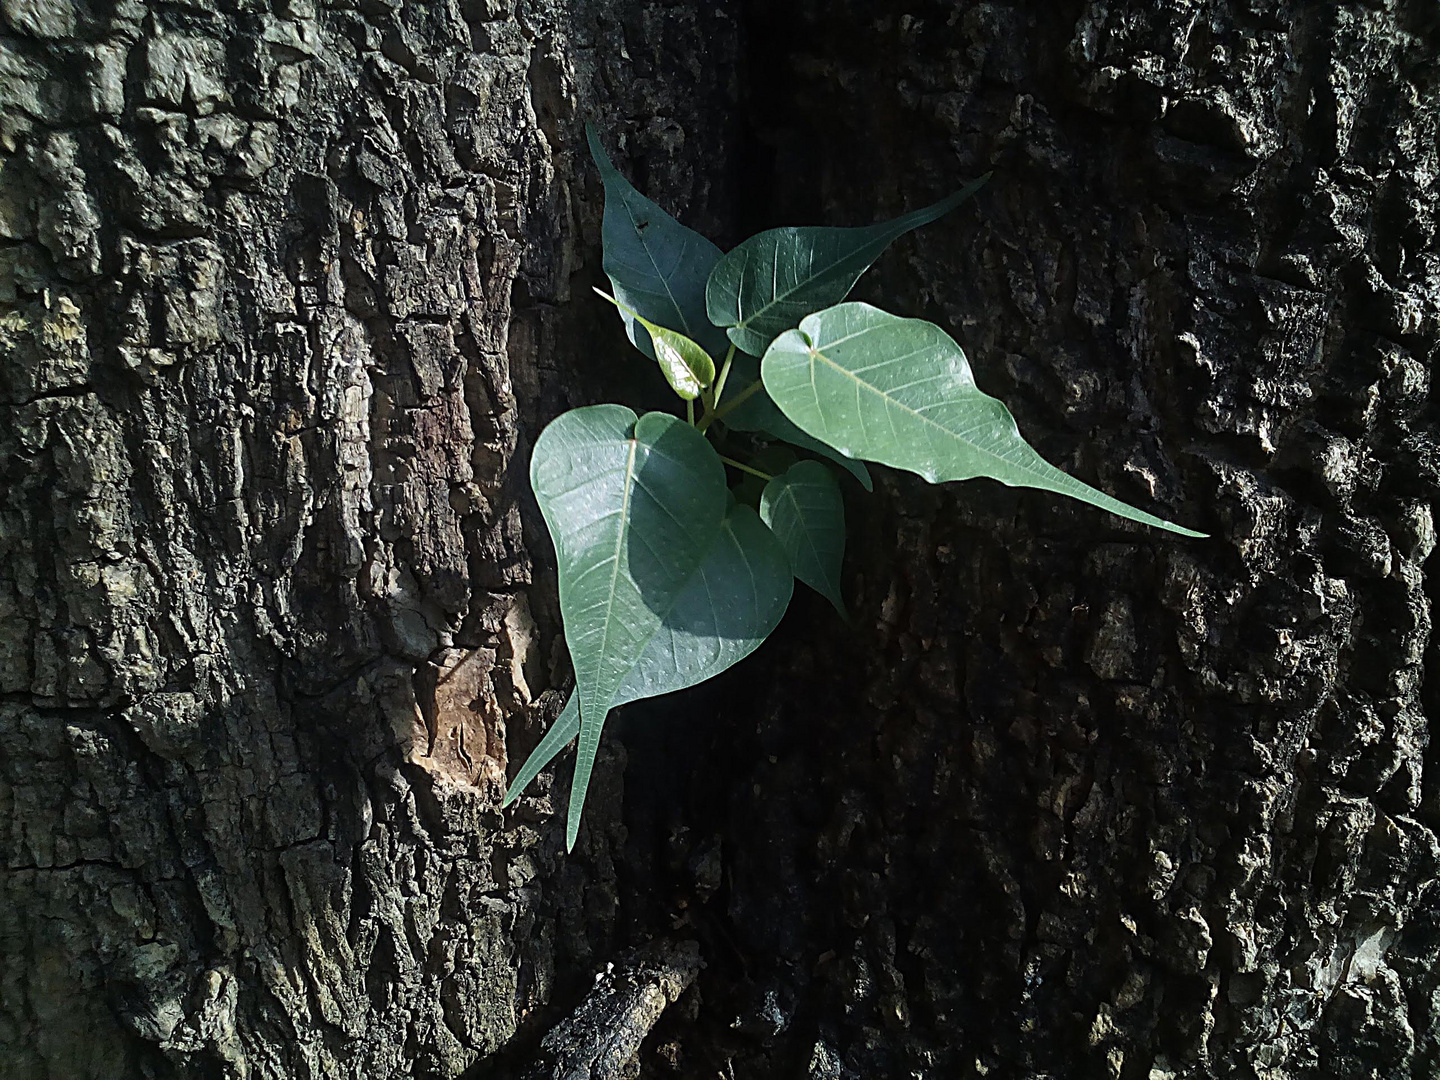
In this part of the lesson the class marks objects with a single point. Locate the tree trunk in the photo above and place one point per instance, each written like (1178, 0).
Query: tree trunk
(290, 294)
(289, 290)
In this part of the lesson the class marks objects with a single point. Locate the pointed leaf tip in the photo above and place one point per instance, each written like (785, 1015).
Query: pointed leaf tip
(771, 281)
(565, 728)
(664, 582)
(657, 266)
(900, 391)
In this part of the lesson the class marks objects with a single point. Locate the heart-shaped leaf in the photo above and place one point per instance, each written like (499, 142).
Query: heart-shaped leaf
(687, 367)
(633, 506)
(900, 392)
(657, 266)
(731, 604)
(804, 509)
(770, 282)
(758, 413)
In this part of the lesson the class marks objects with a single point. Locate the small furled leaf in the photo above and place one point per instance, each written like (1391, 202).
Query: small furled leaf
(686, 366)
(770, 282)
(730, 605)
(804, 509)
(758, 413)
(900, 392)
(633, 506)
(657, 266)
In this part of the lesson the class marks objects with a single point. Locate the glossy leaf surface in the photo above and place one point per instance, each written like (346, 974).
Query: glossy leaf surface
(770, 282)
(657, 266)
(900, 391)
(633, 507)
(729, 606)
(686, 366)
(804, 508)
(759, 413)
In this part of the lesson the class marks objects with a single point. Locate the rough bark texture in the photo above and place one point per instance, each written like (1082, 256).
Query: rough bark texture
(288, 291)
(1085, 800)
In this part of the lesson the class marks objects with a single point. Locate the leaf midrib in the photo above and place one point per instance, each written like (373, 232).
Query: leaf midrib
(640, 235)
(1052, 479)
(615, 558)
(778, 298)
(815, 352)
(725, 527)
(800, 516)
(913, 220)
(631, 482)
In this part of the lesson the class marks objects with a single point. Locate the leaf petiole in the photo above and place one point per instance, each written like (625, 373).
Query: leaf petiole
(738, 400)
(724, 374)
(712, 396)
(745, 468)
(690, 412)
(686, 366)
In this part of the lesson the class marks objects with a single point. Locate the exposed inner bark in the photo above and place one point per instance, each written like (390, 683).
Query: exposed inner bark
(287, 289)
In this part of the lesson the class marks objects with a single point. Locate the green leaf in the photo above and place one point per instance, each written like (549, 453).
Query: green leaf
(657, 266)
(632, 506)
(773, 280)
(729, 606)
(900, 392)
(565, 728)
(804, 509)
(759, 413)
(664, 580)
(686, 366)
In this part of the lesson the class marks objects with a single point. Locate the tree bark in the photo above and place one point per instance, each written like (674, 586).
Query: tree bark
(289, 291)
(290, 288)
(1079, 798)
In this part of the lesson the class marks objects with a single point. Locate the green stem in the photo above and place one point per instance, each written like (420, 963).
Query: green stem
(712, 396)
(724, 374)
(738, 400)
(690, 413)
(745, 468)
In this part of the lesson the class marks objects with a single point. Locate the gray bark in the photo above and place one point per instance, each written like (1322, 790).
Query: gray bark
(289, 288)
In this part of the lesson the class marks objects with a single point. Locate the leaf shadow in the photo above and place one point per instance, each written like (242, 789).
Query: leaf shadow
(721, 592)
